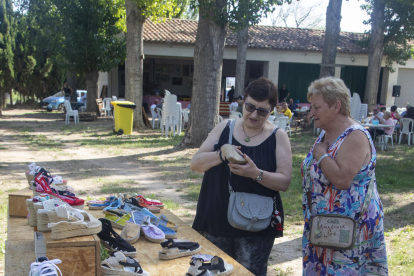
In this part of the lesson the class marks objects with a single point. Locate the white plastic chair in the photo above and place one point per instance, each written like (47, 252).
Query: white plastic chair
(107, 107)
(271, 118)
(288, 126)
(220, 119)
(385, 137)
(235, 113)
(171, 113)
(405, 129)
(154, 116)
(70, 113)
(114, 98)
(282, 122)
(167, 92)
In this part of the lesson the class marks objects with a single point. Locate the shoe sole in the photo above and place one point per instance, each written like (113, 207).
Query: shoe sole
(232, 155)
(107, 246)
(162, 256)
(71, 231)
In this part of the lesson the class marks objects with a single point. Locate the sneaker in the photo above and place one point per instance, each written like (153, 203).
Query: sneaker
(45, 267)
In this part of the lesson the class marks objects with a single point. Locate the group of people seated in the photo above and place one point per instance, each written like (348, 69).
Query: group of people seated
(387, 118)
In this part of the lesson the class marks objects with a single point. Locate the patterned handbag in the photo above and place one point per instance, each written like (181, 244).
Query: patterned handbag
(334, 231)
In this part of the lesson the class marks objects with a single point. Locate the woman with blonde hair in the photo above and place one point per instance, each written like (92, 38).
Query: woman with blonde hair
(337, 173)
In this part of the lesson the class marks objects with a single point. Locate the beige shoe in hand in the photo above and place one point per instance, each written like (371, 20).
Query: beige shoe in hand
(232, 155)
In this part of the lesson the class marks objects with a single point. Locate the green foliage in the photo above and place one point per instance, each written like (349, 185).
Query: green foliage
(7, 45)
(399, 29)
(89, 36)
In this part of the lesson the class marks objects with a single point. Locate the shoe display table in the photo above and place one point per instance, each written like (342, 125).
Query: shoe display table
(81, 255)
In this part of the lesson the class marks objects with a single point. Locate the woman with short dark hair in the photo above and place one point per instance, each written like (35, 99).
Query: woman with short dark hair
(268, 170)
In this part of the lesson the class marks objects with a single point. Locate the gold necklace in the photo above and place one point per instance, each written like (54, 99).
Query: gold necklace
(247, 139)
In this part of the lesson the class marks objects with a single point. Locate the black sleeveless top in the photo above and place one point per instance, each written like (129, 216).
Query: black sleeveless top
(66, 90)
(214, 196)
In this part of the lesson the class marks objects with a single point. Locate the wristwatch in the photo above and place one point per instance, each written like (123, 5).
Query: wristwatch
(260, 176)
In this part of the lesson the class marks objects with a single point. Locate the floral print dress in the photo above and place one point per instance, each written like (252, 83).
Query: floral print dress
(369, 255)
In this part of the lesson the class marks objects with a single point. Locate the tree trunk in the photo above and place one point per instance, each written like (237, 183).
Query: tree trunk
(11, 98)
(134, 60)
(71, 79)
(208, 64)
(376, 50)
(333, 27)
(92, 77)
(242, 39)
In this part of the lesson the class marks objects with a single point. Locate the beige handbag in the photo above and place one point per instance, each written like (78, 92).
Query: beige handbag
(332, 230)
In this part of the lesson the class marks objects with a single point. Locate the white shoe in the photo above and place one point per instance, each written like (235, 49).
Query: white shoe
(45, 267)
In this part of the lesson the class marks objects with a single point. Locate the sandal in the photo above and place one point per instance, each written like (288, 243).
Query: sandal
(169, 233)
(163, 220)
(111, 240)
(217, 266)
(232, 155)
(173, 249)
(141, 204)
(154, 203)
(99, 204)
(196, 269)
(116, 204)
(67, 222)
(117, 218)
(42, 185)
(132, 229)
(120, 265)
(151, 232)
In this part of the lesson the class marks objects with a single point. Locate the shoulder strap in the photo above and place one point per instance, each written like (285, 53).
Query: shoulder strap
(233, 122)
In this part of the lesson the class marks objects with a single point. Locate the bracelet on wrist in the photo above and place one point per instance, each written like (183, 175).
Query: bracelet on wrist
(320, 159)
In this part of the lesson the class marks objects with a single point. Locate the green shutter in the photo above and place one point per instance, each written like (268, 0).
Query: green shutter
(355, 78)
(297, 77)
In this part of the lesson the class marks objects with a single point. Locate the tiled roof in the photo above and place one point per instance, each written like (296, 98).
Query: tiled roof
(184, 31)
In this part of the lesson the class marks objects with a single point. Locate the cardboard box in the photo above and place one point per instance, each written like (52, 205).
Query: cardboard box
(79, 255)
(17, 203)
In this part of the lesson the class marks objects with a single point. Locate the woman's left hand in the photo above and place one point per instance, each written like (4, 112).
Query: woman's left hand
(320, 149)
(249, 169)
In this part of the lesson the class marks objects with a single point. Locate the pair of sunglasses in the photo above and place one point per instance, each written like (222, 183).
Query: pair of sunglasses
(260, 111)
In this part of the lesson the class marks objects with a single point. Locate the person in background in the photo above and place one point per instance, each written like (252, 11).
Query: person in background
(340, 166)
(230, 94)
(156, 90)
(376, 113)
(405, 112)
(67, 90)
(383, 109)
(189, 106)
(385, 120)
(81, 102)
(410, 114)
(396, 116)
(292, 106)
(154, 105)
(283, 93)
(159, 106)
(234, 104)
(285, 110)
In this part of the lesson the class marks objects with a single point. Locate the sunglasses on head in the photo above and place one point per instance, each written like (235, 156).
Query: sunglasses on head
(260, 111)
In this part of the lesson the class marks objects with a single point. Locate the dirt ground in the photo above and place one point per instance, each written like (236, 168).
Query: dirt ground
(147, 170)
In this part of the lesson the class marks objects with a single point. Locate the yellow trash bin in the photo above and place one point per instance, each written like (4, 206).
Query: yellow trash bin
(124, 115)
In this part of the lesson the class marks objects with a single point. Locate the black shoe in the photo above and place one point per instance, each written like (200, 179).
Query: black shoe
(111, 240)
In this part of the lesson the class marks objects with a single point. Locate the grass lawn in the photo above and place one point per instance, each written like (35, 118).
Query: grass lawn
(395, 169)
